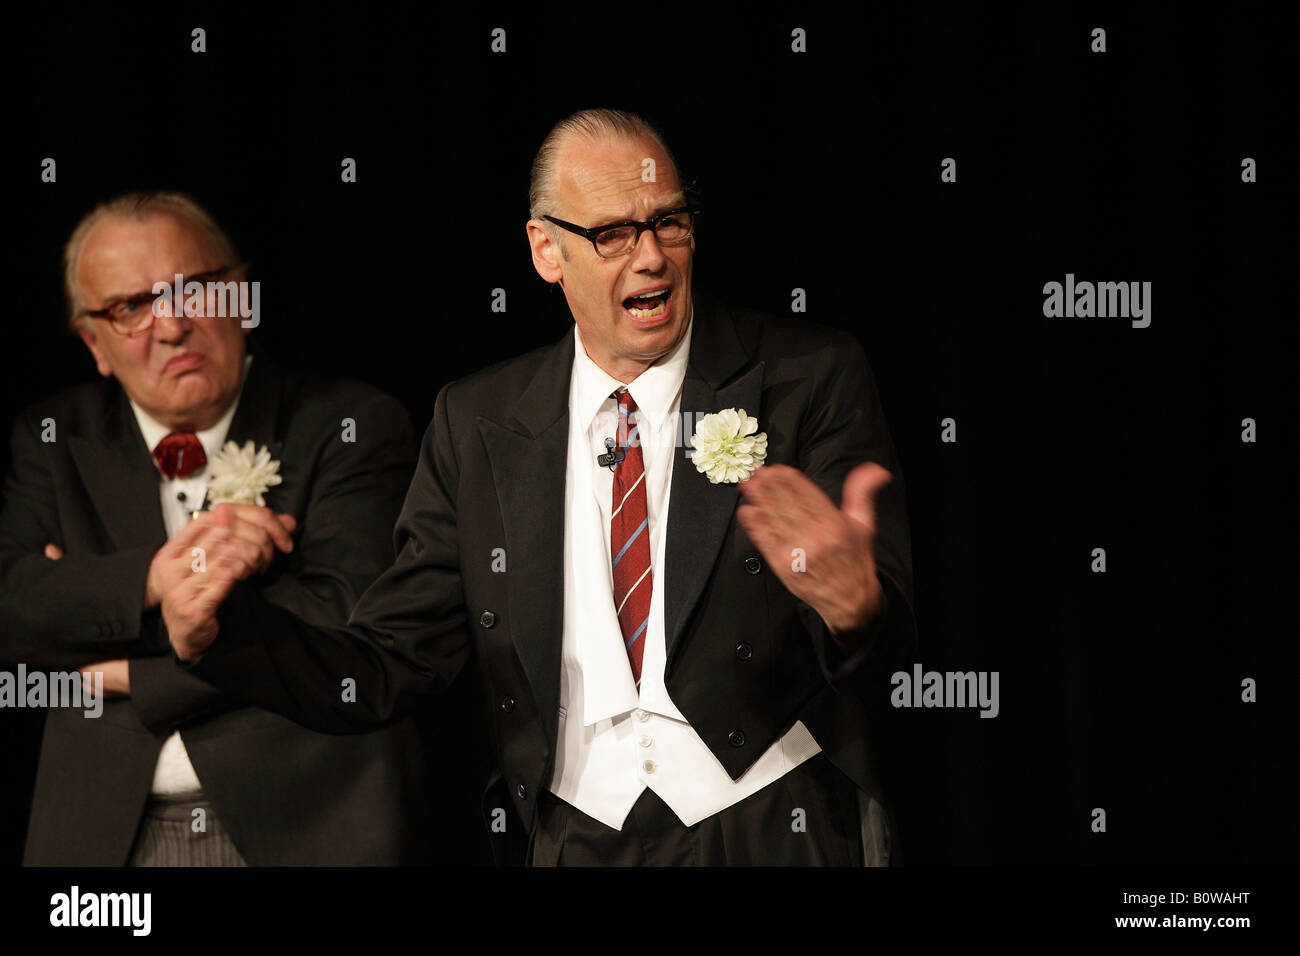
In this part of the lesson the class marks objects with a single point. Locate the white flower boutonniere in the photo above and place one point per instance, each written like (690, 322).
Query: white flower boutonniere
(238, 476)
(726, 446)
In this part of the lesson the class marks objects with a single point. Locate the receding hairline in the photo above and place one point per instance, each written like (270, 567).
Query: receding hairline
(137, 207)
(195, 229)
(563, 162)
(141, 217)
(593, 125)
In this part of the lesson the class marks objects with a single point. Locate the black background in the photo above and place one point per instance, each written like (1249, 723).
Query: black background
(818, 171)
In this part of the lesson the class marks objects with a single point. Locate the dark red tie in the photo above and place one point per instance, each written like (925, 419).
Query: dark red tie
(180, 455)
(629, 539)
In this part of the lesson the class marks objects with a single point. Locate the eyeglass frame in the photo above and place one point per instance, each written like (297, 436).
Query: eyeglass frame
(640, 226)
(141, 297)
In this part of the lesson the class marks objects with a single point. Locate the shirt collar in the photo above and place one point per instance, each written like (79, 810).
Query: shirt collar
(654, 390)
(211, 438)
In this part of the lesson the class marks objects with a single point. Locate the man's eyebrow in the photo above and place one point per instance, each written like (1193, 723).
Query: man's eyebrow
(662, 208)
(123, 297)
(193, 276)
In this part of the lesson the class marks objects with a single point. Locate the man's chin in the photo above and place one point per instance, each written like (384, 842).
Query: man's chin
(187, 396)
(193, 384)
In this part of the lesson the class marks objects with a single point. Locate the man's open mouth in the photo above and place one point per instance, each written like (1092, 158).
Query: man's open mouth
(647, 305)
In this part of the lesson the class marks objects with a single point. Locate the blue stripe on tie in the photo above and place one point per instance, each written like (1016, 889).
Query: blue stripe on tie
(628, 445)
(635, 534)
(638, 633)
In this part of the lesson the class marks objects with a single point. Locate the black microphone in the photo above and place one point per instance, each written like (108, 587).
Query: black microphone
(613, 456)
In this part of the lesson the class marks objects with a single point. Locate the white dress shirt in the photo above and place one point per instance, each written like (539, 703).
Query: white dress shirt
(174, 773)
(613, 741)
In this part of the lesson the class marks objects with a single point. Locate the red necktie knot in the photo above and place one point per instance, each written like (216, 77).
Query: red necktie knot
(180, 455)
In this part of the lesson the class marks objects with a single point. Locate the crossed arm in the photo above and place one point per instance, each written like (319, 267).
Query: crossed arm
(81, 610)
(67, 613)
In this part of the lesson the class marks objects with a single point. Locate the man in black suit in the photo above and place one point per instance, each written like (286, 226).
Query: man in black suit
(176, 772)
(674, 679)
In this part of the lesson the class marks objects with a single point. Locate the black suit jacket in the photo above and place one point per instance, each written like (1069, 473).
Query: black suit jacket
(288, 796)
(491, 475)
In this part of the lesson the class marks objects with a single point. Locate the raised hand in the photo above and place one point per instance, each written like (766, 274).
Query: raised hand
(824, 555)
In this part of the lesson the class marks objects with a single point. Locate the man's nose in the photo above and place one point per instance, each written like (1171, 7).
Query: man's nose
(169, 322)
(647, 254)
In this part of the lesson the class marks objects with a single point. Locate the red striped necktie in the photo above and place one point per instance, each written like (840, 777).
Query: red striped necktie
(629, 538)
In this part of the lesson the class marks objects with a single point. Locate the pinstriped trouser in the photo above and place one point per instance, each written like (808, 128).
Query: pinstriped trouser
(171, 834)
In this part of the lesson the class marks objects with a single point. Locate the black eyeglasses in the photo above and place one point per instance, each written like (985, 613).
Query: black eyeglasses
(671, 228)
(133, 315)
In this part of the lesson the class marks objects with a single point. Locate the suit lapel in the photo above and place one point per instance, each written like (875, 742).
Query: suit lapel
(529, 456)
(528, 451)
(257, 418)
(700, 512)
(120, 476)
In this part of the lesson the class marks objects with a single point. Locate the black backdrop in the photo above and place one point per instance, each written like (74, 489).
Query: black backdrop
(817, 171)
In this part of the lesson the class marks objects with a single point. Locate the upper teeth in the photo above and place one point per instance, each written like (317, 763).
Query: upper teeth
(651, 295)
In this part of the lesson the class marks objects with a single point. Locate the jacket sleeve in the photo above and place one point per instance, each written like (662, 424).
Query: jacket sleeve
(406, 636)
(843, 428)
(165, 697)
(78, 610)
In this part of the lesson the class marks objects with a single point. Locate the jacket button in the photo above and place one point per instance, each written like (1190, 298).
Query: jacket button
(753, 565)
(736, 738)
(508, 705)
(487, 618)
(743, 651)
(522, 791)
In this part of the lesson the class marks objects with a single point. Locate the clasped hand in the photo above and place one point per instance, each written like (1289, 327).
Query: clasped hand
(236, 542)
(241, 539)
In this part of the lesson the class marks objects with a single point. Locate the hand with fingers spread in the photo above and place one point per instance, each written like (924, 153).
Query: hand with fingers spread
(834, 570)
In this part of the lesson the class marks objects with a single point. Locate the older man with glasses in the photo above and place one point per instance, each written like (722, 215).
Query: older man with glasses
(678, 678)
(103, 505)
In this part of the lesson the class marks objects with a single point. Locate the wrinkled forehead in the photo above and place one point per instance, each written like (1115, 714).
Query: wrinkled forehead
(126, 254)
(609, 179)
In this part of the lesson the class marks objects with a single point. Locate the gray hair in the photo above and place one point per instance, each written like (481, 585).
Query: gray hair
(594, 124)
(138, 206)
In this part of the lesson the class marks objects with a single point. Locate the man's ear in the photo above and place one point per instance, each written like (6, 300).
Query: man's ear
(546, 253)
(101, 360)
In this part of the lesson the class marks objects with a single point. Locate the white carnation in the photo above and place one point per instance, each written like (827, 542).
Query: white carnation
(241, 477)
(726, 446)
